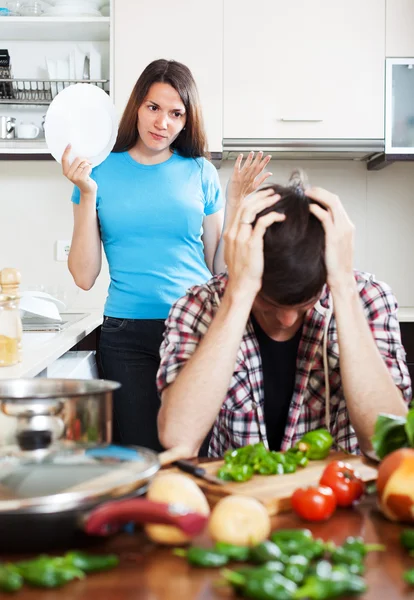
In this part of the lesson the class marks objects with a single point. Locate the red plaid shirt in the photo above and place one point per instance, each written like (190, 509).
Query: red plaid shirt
(241, 417)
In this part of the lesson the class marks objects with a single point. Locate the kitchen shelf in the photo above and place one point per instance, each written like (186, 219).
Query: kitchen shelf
(54, 29)
(24, 146)
(39, 91)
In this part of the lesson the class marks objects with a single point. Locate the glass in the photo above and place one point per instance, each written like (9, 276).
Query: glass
(10, 331)
(399, 136)
(13, 6)
(31, 8)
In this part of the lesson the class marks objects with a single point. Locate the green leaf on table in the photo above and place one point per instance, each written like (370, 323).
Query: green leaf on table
(390, 434)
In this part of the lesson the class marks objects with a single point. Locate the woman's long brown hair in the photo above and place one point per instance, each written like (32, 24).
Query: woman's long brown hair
(191, 142)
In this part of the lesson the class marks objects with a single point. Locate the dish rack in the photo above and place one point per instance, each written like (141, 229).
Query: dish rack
(38, 91)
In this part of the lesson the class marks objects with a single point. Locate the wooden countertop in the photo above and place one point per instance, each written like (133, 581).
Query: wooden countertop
(153, 573)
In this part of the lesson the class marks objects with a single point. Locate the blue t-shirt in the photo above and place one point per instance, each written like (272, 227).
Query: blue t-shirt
(151, 222)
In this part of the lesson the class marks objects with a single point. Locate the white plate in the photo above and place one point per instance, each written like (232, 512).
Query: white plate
(82, 115)
(61, 306)
(29, 305)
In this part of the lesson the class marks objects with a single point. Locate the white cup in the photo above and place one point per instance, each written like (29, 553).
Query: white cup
(27, 130)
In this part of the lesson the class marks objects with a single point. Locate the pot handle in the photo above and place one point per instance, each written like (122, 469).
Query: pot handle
(110, 517)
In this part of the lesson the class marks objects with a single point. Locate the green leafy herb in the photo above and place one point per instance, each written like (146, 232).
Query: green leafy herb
(390, 434)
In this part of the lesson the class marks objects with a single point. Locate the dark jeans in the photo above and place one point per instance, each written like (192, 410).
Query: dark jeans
(129, 353)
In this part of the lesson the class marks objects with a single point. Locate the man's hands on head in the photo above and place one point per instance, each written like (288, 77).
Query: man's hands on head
(339, 235)
(244, 244)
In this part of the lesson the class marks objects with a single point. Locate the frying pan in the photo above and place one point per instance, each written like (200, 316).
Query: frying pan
(67, 501)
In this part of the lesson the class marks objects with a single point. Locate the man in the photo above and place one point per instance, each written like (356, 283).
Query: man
(290, 339)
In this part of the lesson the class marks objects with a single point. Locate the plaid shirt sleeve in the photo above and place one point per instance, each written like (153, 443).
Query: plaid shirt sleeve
(187, 322)
(380, 306)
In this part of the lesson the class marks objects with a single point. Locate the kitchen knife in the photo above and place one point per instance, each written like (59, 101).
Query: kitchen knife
(197, 471)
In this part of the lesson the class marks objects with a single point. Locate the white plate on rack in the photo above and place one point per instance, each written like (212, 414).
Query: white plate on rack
(84, 116)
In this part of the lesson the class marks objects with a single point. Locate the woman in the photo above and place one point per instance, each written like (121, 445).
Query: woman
(156, 205)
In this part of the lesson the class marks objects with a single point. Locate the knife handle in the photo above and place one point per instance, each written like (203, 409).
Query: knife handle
(189, 467)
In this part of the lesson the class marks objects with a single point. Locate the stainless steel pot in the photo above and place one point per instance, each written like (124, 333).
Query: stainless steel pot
(75, 411)
(7, 128)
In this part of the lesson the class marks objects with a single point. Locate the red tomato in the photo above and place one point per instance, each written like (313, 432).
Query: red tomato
(344, 481)
(314, 503)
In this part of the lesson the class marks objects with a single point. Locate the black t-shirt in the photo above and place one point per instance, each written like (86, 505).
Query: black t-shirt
(279, 369)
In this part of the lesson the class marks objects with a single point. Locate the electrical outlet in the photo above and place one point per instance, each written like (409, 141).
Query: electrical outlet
(62, 249)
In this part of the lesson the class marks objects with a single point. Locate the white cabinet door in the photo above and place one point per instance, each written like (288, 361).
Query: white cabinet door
(400, 28)
(304, 69)
(145, 31)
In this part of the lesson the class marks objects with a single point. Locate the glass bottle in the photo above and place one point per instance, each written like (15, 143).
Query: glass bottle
(10, 321)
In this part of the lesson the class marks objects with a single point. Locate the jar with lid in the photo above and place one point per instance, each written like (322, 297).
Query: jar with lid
(10, 321)
(10, 331)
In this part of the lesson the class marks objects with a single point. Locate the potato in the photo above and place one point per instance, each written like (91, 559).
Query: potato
(395, 485)
(175, 488)
(239, 520)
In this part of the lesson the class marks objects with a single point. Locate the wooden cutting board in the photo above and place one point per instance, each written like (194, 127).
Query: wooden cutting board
(275, 491)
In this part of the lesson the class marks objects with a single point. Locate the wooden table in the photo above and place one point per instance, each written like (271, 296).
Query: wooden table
(153, 573)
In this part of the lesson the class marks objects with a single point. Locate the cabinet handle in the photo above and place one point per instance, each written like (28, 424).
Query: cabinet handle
(301, 119)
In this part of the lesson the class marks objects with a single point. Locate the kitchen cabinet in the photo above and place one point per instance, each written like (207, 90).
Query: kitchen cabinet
(54, 29)
(35, 44)
(183, 31)
(399, 109)
(304, 69)
(399, 28)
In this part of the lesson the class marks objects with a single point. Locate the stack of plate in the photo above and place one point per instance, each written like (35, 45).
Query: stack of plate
(40, 311)
(84, 116)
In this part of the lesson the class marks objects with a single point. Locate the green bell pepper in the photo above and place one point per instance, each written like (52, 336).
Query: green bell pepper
(316, 444)
(273, 566)
(240, 553)
(202, 557)
(90, 563)
(10, 578)
(297, 568)
(294, 535)
(408, 576)
(353, 551)
(341, 582)
(407, 539)
(261, 585)
(235, 472)
(265, 552)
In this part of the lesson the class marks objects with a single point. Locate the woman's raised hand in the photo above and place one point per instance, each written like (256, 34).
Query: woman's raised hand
(79, 172)
(246, 178)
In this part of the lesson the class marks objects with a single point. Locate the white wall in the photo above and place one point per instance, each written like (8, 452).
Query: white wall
(35, 211)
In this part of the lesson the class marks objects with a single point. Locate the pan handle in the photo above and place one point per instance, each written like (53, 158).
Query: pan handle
(110, 517)
(177, 452)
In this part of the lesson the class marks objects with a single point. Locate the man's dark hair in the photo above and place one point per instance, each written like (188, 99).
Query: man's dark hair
(294, 249)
